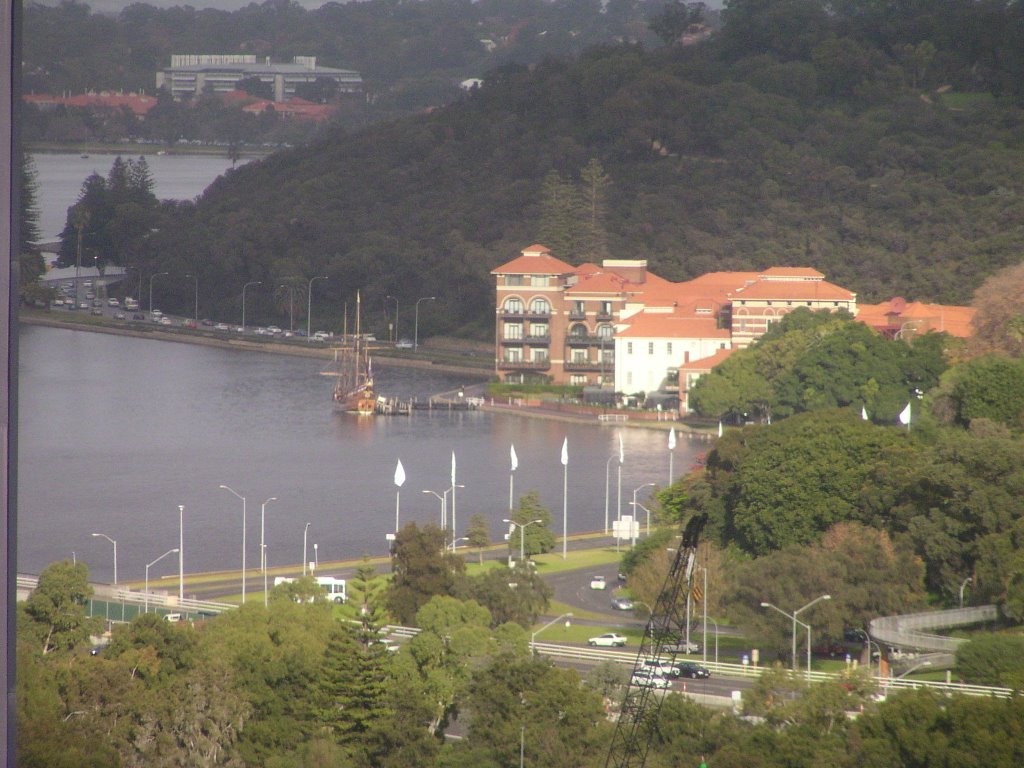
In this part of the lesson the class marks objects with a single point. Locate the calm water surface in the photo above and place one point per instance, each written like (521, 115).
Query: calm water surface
(116, 432)
(60, 175)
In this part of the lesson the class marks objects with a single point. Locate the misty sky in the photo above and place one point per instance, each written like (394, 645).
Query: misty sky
(115, 6)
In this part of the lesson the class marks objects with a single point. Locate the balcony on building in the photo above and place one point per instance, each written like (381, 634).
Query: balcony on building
(505, 364)
(586, 365)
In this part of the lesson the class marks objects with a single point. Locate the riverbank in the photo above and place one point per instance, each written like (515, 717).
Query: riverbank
(441, 361)
(425, 359)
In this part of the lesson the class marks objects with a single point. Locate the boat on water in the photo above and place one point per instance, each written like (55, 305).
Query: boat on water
(353, 372)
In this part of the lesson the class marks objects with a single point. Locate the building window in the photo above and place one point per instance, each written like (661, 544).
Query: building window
(578, 379)
(514, 306)
(668, 348)
(607, 356)
(629, 347)
(629, 378)
(539, 356)
(539, 281)
(650, 347)
(579, 355)
(540, 307)
(578, 331)
(514, 355)
(513, 330)
(538, 330)
(605, 331)
(606, 307)
(513, 280)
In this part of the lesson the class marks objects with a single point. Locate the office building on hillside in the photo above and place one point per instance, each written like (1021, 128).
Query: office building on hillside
(193, 74)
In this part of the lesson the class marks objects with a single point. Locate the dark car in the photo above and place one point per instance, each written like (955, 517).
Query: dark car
(137, 316)
(691, 670)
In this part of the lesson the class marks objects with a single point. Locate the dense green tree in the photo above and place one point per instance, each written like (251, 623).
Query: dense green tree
(517, 595)
(996, 659)
(478, 534)
(422, 568)
(56, 609)
(536, 538)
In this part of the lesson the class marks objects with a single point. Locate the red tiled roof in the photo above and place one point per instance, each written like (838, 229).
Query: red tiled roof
(535, 260)
(139, 104)
(796, 290)
(706, 363)
(894, 314)
(801, 272)
(601, 282)
(671, 326)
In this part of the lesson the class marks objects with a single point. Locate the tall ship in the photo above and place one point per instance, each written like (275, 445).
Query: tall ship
(353, 372)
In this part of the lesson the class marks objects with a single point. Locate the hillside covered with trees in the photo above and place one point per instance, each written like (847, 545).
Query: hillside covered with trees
(880, 147)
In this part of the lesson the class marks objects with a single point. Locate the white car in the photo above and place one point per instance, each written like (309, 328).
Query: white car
(113, 302)
(646, 679)
(598, 582)
(608, 640)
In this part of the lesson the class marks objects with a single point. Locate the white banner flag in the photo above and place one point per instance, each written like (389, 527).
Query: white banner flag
(672, 439)
(905, 415)
(622, 451)
(399, 474)
(864, 413)
(515, 459)
(565, 452)
(453, 469)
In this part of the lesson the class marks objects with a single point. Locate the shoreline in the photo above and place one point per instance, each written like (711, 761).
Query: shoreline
(269, 347)
(326, 353)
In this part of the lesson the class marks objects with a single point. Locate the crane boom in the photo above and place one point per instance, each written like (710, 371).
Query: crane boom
(642, 703)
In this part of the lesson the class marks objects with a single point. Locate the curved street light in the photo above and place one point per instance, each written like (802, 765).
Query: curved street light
(522, 536)
(416, 325)
(793, 616)
(232, 491)
(104, 536)
(165, 554)
(645, 485)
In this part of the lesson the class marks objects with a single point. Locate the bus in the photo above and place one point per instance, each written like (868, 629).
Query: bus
(335, 588)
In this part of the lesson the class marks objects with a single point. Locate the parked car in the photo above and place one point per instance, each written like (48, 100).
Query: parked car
(663, 668)
(206, 322)
(164, 321)
(622, 604)
(691, 670)
(403, 344)
(156, 314)
(647, 679)
(220, 327)
(598, 582)
(113, 302)
(119, 315)
(681, 646)
(97, 311)
(608, 640)
(137, 316)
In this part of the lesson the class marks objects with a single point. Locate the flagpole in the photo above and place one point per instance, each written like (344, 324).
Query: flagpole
(453, 501)
(565, 499)
(671, 452)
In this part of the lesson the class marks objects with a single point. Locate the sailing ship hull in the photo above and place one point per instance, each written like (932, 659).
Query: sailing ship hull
(362, 403)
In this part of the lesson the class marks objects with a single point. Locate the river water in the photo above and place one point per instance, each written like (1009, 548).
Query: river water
(59, 177)
(116, 432)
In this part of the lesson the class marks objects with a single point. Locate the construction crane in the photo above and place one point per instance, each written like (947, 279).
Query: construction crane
(666, 626)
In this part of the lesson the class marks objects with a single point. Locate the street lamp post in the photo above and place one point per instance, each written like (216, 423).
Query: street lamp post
(305, 538)
(963, 584)
(316, 557)
(607, 473)
(151, 278)
(395, 338)
(104, 536)
(793, 616)
(165, 554)
(637, 504)
(522, 536)
(251, 282)
(181, 552)
(640, 488)
(263, 552)
(416, 325)
(309, 303)
(263, 514)
(455, 542)
(443, 498)
(533, 637)
(232, 491)
(716, 641)
(195, 311)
